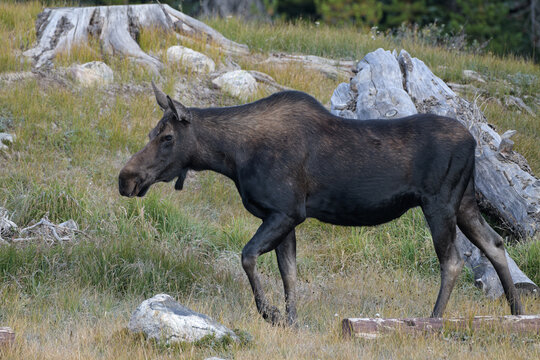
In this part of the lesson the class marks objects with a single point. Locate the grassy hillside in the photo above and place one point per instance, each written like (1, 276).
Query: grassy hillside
(74, 300)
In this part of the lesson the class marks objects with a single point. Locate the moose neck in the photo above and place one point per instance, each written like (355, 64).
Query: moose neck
(219, 136)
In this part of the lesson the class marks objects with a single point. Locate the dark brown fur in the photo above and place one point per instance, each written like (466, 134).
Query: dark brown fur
(291, 159)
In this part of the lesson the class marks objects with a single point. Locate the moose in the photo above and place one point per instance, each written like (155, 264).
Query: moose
(291, 159)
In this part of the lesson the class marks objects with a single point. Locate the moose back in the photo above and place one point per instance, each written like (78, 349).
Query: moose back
(291, 159)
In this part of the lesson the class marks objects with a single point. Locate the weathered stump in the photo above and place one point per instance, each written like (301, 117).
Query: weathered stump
(370, 328)
(117, 28)
(388, 85)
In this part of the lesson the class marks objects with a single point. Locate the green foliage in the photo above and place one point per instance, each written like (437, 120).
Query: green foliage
(487, 24)
(341, 12)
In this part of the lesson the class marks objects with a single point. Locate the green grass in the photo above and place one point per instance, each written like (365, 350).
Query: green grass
(74, 300)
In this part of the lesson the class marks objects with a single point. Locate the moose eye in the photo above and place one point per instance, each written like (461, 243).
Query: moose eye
(166, 138)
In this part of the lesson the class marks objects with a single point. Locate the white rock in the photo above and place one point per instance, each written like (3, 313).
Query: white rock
(92, 73)
(191, 59)
(239, 83)
(473, 75)
(5, 140)
(165, 320)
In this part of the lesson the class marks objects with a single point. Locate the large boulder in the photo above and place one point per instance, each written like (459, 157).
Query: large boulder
(191, 59)
(238, 83)
(92, 73)
(165, 320)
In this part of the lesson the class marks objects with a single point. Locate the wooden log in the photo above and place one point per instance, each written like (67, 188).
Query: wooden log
(7, 336)
(371, 328)
(485, 276)
(117, 28)
(331, 68)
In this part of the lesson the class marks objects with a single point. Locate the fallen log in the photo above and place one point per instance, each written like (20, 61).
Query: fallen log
(331, 68)
(7, 336)
(370, 328)
(117, 28)
(388, 85)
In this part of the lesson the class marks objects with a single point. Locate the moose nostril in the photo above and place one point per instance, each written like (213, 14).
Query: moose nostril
(126, 181)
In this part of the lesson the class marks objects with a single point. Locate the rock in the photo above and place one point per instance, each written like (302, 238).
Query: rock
(165, 320)
(238, 83)
(92, 73)
(6, 140)
(191, 59)
(473, 75)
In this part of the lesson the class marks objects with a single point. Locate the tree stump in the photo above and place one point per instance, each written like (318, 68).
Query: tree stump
(117, 28)
(370, 328)
(388, 85)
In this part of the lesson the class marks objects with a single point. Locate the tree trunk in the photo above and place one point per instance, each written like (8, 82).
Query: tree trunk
(372, 328)
(388, 85)
(117, 28)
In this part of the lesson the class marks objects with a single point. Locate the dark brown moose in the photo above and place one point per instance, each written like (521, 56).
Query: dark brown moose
(291, 159)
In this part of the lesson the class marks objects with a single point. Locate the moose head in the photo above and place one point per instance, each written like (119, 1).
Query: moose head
(167, 153)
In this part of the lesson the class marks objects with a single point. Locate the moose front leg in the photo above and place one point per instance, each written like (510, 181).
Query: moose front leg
(268, 236)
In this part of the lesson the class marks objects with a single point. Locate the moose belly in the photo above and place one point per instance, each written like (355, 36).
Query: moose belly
(353, 209)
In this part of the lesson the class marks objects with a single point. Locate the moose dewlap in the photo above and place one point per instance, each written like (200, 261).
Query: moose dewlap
(291, 159)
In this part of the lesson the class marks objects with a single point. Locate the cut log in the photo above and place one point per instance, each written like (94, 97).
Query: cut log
(370, 328)
(7, 336)
(388, 85)
(117, 28)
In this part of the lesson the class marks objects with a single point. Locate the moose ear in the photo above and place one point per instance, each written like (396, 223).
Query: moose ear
(161, 97)
(180, 111)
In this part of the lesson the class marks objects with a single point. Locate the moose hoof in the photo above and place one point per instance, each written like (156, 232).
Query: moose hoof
(273, 316)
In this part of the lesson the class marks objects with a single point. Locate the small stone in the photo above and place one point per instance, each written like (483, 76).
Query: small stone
(6, 140)
(473, 75)
(92, 73)
(165, 320)
(191, 59)
(238, 83)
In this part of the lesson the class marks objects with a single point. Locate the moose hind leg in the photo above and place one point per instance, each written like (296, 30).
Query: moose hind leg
(442, 223)
(286, 258)
(268, 236)
(476, 229)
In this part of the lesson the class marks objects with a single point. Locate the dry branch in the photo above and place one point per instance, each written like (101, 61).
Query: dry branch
(329, 67)
(117, 28)
(370, 328)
